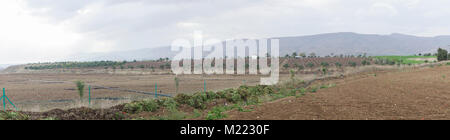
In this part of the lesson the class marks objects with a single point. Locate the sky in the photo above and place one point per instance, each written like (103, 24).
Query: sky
(52, 30)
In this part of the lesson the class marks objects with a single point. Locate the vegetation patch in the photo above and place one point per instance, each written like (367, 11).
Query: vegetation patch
(406, 60)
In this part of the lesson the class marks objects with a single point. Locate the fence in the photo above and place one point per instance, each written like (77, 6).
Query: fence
(91, 91)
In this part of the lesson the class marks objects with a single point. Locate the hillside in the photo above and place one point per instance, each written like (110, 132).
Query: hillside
(322, 44)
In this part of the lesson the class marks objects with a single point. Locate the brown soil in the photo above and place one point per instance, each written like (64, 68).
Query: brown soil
(83, 113)
(408, 94)
(43, 92)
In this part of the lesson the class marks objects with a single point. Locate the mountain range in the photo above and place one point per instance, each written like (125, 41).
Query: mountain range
(346, 43)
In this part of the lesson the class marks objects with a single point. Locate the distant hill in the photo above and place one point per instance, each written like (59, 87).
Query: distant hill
(4, 66)
(352, 43)
(322, 44)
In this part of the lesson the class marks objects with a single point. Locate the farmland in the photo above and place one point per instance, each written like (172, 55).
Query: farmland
(42, 92)
(50, 89)
(406, 94)
(407, 59)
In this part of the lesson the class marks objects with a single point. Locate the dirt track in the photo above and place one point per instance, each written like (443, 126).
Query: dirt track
(414, 94)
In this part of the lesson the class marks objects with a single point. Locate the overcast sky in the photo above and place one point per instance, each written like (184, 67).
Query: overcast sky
(50, 30)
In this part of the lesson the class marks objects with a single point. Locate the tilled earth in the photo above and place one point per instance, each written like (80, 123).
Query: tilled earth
(44, 92)
(418, 94)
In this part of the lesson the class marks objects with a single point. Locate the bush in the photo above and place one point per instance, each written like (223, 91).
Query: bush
(80, 87)
(221, 94)
(216, 113)
(236, 98)
(255, 91)
(182, 98)
(168, 103)
(198, 100)
(149, 105)
(442, 54)
(212, 95)
(13, 116)
(268, 90)
(313, 89)
(243, 92)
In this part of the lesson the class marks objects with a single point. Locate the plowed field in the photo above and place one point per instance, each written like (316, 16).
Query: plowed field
(409, 94)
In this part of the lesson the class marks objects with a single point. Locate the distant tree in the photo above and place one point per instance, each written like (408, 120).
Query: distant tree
(442, 54)
(294, 54)
(286, 56)
(324, 70)
(338, 65)
(286, 66)
(353, 64)
(364, 62)
(167, 65)
(312, 55)
(302, 55)
(153, 68)
(300, 67)
(324, 64)
(310, 65)
(324, 67)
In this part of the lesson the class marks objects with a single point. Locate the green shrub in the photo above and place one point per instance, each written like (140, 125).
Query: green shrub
(313, 89)
(292, 92)
(236, 98)
(442, 54)
(221, 94)
(216, 113)
(13, 116)
(198, 100)
(212, 95)
(168, 103)
(243, 92)
(268, 90)
(253, 100)
(148, 105)
(80, 87)
(182, 98)
(283, 91)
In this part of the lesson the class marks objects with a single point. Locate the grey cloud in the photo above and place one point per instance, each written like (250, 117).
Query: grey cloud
(148, 23)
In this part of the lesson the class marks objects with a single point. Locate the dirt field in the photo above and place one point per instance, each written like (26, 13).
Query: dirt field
(410, 94)
(42, 92)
